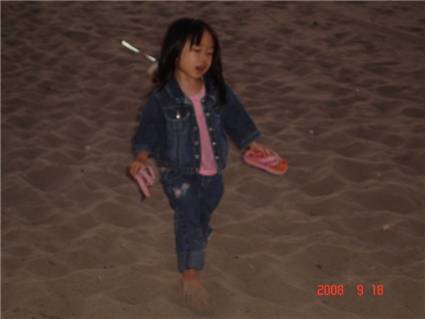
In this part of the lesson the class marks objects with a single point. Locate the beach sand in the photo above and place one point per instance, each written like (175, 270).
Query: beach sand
(336, 88)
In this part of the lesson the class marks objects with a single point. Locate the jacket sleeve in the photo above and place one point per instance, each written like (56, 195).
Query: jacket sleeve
(151, 128)
(237, 122)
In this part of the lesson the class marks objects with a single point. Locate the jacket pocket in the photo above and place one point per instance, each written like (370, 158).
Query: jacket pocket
(178, 122)
(177, 119)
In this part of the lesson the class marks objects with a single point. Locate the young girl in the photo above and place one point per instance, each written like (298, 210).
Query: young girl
(183, 126)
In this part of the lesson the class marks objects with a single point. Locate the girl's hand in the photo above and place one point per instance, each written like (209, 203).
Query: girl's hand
(260, 148)
(135, 167)
(139, 163)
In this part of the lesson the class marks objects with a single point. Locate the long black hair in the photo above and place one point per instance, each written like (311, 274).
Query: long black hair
(178, 33)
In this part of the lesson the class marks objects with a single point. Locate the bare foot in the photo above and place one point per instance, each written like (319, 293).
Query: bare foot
(194, 293)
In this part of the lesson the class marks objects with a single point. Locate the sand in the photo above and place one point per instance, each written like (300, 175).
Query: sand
(336, 88)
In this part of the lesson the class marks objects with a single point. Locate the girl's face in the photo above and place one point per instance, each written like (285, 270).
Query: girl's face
(195, 61)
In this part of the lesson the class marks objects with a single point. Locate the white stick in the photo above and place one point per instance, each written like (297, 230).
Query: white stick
(151, 58)
(129, 46)
(132, 48)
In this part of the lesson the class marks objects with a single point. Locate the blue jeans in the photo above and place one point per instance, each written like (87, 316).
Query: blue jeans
(194, 198)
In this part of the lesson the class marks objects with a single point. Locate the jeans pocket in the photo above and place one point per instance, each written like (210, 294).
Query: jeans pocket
(169, 176)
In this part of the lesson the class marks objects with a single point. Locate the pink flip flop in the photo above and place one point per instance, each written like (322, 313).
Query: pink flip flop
(272, 163)
(145, 178)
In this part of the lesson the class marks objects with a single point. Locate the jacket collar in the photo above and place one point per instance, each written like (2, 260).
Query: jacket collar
(173, 89)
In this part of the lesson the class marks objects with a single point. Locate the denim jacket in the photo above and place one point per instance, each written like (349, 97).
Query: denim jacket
(169, 132)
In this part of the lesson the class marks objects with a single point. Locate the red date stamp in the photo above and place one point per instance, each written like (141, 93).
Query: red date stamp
(339, 290)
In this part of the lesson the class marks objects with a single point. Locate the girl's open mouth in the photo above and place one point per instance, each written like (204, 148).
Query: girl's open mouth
(200, 68)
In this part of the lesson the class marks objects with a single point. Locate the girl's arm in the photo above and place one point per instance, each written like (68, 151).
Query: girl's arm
(240, 126)
(151, 128)
(148, 135)
(237, 122)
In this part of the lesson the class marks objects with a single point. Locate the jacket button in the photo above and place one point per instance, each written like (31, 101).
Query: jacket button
(217, 157)
(196, 142)
(196, 156)
(214, 143)
(207, 114)
(210, 129)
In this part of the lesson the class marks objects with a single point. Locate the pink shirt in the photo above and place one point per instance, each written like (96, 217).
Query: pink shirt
(208, 164)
